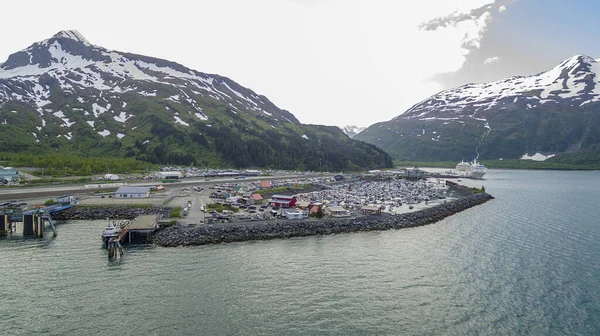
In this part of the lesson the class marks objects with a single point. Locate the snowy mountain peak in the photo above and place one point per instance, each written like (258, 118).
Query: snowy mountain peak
(73, 35)
(352, 130)
(576, 80)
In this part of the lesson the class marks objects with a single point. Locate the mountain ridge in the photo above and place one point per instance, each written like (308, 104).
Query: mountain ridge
(66, 94)
(551, 112)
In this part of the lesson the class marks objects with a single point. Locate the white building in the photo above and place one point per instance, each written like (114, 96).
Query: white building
(337, 211)
(295, 214)
(168, 175)
(111, 177)
(133, 192)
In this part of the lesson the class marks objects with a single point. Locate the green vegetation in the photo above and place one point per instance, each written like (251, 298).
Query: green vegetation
(104, 191)
(236, 137)
(45, 181)
(171, 223)
(282, 189)
(221, 207)
(271, 191)
(318, 214)
(58, 164)
(478, 190)
(566, 129)
(175, 213)
(411, 164)
(49, 202)
(168, 181)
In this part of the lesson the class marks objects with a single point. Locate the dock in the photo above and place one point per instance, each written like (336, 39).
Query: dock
(139, 229)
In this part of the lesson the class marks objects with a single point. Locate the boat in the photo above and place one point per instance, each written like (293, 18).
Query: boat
(473, 169)
(111, 230)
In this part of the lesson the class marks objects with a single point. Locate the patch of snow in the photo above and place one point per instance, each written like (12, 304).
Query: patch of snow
(145, 142)
(179, 121)
(201, 116)
(66, 122)
(304, 136)
(98, 110)
(91, 123)
(120, 135)
(537, 157)
(122, 117)
(104, 133)
(147, 94)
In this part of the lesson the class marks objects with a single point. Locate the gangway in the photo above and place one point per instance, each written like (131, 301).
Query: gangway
(49, 220)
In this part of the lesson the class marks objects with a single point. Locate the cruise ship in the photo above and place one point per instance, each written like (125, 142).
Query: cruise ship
(471, 169)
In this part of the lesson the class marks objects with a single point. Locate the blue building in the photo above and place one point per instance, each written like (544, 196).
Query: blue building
(9, 175)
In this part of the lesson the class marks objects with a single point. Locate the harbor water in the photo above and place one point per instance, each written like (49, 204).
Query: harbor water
(525, 263)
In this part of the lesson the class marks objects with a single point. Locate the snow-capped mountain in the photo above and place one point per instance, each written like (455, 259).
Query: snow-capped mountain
(69, 60)
(548, 113)
(352, 130)
(67, 94)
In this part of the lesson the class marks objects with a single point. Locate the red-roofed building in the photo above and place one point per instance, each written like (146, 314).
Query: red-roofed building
(255, 199)
(282, 201)
(265, 185)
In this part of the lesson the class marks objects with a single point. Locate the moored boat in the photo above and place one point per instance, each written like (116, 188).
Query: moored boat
(111, 230)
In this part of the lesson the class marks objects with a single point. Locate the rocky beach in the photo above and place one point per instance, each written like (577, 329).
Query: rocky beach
(112, 212)
(225, 233)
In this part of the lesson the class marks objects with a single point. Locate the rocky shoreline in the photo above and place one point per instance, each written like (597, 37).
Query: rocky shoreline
(225, 233)
(112, 212)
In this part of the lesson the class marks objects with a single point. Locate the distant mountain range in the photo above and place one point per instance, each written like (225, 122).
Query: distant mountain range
(67, 95)
(556, 112)
(352, 130)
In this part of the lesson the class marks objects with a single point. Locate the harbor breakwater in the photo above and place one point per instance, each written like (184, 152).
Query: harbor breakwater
(224, 233)
(112, 212)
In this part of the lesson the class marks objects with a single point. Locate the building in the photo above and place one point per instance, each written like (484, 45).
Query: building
(111, 177)
(9, 175)
(265, 185)
(255, 199)
(168, 175)
(133, 192)
(251, 172)
(371, 210)
(282, 201)
(65, 199)
(303, 204)
(295, 214)
(337, 211)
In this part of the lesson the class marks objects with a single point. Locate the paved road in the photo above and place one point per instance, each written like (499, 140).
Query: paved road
(195, 203)
(58, 190)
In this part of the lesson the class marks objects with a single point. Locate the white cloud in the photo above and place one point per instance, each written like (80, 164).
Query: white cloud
(336, 61)
(501, 8)
(491, 60)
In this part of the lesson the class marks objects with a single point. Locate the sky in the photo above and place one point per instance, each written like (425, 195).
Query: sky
(329, 62)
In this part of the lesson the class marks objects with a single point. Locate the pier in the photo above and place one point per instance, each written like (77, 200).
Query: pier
(139, 229)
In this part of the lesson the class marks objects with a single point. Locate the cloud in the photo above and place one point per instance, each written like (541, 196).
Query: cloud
(491, 60)
(501, 8)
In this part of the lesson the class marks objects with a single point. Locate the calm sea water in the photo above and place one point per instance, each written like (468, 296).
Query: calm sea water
(526, 263)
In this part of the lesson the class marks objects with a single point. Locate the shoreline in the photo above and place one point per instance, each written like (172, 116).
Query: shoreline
(237, 232)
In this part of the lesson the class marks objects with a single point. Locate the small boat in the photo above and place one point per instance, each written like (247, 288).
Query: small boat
(111, 230)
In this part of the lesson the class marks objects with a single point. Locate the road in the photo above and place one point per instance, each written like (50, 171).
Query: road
(58, 190)
(195, 202)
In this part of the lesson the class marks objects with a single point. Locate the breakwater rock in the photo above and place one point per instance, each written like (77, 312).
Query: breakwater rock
(223, 233)
(112, 212)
